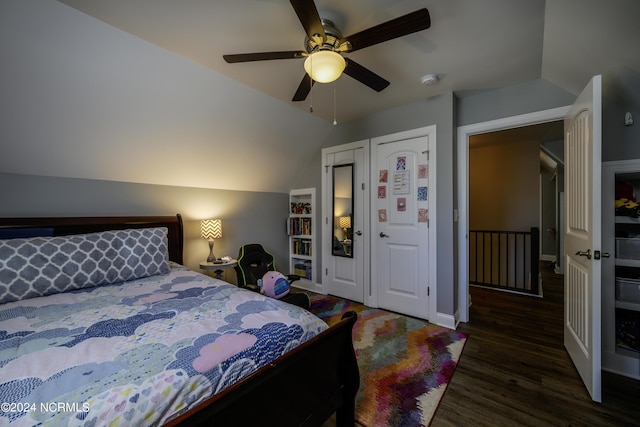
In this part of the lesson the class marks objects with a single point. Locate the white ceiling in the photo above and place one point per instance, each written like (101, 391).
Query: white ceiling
(472, 45)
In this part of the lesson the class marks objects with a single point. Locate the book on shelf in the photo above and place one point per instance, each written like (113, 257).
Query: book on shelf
(302, 247)
(300, 226)
(303, 269)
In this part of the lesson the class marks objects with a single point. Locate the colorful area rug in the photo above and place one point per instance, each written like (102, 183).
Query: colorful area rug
(405, 363)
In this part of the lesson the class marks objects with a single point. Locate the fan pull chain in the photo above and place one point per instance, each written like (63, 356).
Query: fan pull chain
(311, 86)
(335, 122)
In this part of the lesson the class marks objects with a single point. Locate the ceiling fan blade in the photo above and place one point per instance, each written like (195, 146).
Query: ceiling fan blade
(263, 56)
(303, 89)
(365, 76)
(398, 27)
(310, 19)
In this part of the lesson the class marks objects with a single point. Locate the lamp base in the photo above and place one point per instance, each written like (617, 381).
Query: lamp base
(212, 257)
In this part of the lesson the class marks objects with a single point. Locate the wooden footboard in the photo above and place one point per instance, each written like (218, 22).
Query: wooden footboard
(302, 388)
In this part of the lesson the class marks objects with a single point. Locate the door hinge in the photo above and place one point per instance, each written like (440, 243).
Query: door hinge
(326, 271)
(326, 220)
(326, 169)
(428, 291)
(363, 185)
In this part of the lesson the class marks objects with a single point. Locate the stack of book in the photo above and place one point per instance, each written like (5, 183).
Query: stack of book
(300, 226)
(303, 269)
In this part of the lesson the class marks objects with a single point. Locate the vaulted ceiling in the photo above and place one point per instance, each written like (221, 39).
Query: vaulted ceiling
(96, 88)
(471, 45)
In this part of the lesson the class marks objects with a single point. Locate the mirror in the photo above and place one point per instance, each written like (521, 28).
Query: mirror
(342, 211)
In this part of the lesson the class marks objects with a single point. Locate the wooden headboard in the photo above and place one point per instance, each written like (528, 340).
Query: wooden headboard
(63, 226)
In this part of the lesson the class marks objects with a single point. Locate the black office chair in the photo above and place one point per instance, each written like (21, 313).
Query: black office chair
(337, 248)
(253, 262)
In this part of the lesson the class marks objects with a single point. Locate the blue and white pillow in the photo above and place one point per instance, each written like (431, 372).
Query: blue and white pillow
(38, 266)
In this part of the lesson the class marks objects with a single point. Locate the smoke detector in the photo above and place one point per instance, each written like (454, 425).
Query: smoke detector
(429, 79)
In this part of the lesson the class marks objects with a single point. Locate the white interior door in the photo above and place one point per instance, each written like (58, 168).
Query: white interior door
(402, 183)
(344, 265)
(582, 303)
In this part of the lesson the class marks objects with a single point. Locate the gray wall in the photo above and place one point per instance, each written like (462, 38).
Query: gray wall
(621, 94)
(536, 95)
(82, 99)
(247, 217)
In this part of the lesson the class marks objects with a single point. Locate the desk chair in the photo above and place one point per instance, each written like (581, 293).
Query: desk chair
(253, 262)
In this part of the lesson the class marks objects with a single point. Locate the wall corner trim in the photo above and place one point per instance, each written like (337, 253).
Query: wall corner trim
(446, 320)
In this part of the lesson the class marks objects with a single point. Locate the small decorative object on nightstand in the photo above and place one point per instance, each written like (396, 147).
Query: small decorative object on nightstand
(219, 265)
(211, 229)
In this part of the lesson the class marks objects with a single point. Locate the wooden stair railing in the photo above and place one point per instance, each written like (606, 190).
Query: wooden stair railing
(505, 259)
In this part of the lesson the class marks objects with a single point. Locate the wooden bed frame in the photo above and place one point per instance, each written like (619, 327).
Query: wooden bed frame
(301, 388)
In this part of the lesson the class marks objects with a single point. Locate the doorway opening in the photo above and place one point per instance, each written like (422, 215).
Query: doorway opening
(515, 179)
(465, 135)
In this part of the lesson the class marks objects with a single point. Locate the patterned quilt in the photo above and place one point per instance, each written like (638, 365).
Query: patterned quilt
(137, 353)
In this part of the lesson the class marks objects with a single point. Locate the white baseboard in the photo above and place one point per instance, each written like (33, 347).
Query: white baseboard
(308, 285)
(548, 257)
(445, 320)
(619, 364)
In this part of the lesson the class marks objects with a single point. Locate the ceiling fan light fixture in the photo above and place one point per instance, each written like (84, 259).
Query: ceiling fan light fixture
(324, 66)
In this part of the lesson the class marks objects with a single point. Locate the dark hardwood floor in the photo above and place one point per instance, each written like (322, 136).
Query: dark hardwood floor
(514, 370)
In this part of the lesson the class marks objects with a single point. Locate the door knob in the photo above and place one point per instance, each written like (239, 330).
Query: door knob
(358, 233)
(586, 253)
(383, 235)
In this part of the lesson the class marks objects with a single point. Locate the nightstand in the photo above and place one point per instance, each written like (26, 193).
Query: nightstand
(218, 268)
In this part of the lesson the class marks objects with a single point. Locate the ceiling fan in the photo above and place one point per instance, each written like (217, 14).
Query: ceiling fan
(324, 46)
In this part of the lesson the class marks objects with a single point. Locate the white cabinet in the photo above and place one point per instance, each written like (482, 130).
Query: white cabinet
(621, 271)
(302, 235)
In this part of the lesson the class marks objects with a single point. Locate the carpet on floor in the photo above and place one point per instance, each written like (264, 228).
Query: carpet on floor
(405, 363)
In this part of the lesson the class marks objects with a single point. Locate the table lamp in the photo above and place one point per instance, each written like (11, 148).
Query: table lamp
(345, 223)
(211, 229)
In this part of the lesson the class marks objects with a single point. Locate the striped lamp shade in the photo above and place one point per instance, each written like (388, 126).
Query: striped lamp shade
(211, 229)
(345, 222)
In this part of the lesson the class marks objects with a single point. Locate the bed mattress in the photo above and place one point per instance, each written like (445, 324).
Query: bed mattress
(139, 352)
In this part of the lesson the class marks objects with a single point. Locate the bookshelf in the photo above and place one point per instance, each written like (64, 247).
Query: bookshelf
(302, 234)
